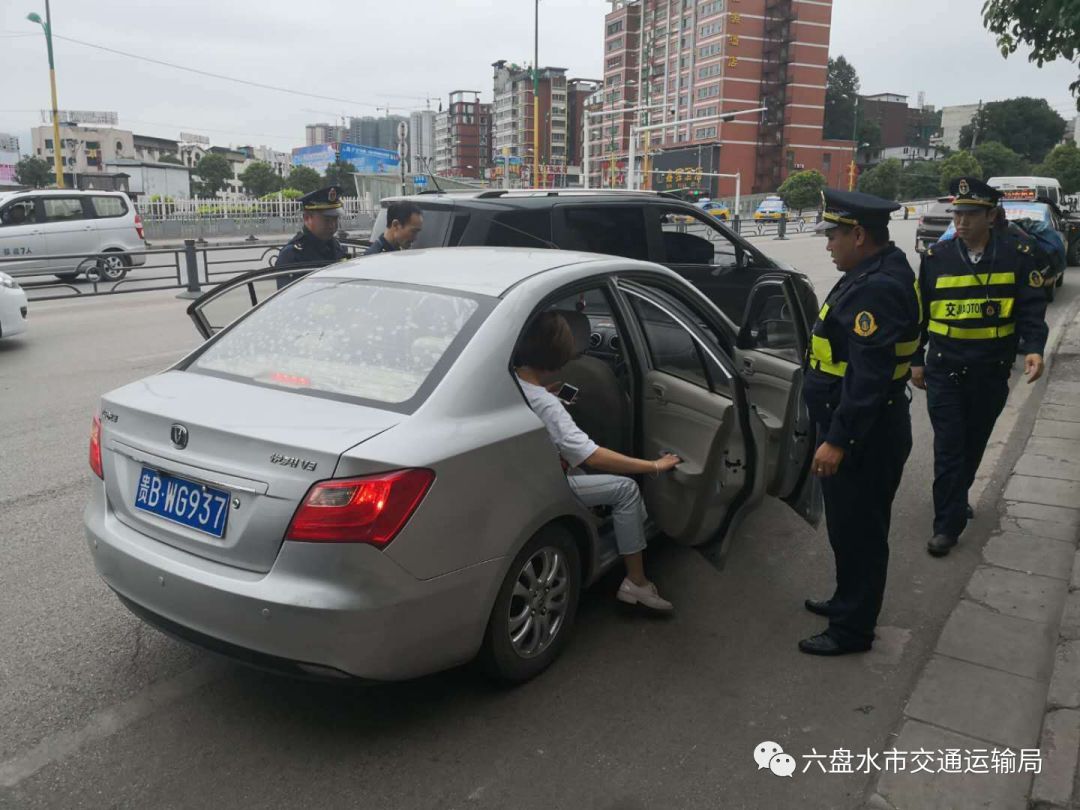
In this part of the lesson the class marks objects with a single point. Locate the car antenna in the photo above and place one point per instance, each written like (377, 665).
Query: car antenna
(431, 174)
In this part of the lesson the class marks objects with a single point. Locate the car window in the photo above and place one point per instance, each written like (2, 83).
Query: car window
(62, 209)
(674, 350)
(615, 230)
(433, 234)
(770, 324)
(19, 212)
(345, 339)
(109, 206)
(521, 229)
(692, 240)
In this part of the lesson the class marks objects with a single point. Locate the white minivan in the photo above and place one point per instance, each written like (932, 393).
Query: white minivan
(48, 223)
(1046, 188)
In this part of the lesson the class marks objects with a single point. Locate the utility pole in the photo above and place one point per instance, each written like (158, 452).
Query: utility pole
(58, 161)
(853, 170)
(536, 94)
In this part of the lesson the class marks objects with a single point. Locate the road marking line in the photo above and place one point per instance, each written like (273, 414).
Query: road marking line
(106, 722)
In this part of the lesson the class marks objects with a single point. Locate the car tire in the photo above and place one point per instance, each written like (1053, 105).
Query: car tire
(1074, 254)
(113, 266)
(1051, 291)
(552, 555)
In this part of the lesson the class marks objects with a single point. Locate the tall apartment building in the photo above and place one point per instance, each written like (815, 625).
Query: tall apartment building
(900, 124)
(691, 62)
(578, 93)
(442, 142)
(315, 134)
(512, 132)
(363, 131)
(463, 136)
(422, 140)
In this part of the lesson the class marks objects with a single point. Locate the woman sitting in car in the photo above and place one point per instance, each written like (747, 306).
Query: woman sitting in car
(546, 347)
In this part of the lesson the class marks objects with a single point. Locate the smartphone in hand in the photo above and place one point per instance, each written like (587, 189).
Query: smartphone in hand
(568, 393)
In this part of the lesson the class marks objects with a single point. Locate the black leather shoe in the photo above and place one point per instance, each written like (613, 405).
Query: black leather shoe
(940, 545)
(824, 644)
(970, 512)
(822, 607)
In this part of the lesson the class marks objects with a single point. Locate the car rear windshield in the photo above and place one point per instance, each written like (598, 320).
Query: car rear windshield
(1040, 212)
(381, 344)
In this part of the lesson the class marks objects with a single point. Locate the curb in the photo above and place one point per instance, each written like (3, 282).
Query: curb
(1004, 677)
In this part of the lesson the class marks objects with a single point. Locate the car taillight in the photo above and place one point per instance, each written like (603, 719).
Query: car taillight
(371, 509)
(95, 447)
(138, 227)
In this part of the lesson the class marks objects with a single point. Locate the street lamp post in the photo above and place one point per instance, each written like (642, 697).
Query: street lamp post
(536, 93)
(47, 25)
(855, 149)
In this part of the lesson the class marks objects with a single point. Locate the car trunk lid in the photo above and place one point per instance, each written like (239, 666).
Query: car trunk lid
(262, 447)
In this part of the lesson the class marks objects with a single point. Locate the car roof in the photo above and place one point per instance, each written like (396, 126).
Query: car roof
(531, 198)
(488, 271)
(57, 192)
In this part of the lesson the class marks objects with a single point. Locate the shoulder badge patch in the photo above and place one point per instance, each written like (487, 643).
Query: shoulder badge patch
(1035, 279)
(865, 325)
(1023, 247)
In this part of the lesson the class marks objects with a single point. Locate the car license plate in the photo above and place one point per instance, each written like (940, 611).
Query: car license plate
(194, 505)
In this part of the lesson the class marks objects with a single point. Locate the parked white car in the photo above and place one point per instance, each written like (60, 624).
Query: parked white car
(12, 307)
(38, 225)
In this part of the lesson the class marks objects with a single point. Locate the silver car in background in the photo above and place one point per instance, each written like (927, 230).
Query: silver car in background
(346, 480)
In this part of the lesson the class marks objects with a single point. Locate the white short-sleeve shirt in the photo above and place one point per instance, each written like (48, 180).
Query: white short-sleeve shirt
(572, 442)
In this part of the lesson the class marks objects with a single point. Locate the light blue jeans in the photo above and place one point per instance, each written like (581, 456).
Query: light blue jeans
(624, 497)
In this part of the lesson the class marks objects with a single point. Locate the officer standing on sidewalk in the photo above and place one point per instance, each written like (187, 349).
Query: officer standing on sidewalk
(981, 292)
(315, 245)
(856, 392)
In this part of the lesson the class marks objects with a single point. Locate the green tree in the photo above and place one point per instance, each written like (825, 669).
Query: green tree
(1048, 27)
(1064, 164)
(803, 189)
(958, 164)
(998, 160)
(339, 173)
(173, 159)
(841, 91)
(260, 178)
(285, 193)
(870, 134)
(33, 172)
(214, 172)
(883, 180)
(1028, 126)
(304, 178)
(920, 180)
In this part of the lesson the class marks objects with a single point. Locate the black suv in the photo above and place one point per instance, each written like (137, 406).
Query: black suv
(644, 225)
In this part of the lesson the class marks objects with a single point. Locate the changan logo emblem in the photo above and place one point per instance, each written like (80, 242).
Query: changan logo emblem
(179, 436)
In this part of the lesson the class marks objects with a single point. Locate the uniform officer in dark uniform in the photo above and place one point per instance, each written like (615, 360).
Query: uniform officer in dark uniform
(315, 245)
(404, 221)
(856, 392)
(981, 292)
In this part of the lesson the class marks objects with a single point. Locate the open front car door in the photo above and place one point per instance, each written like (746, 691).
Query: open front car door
(223, 304)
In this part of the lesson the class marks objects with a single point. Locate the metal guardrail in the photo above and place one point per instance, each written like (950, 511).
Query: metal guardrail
(189, 268)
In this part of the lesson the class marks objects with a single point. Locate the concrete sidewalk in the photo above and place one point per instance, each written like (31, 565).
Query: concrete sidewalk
(1004, 678)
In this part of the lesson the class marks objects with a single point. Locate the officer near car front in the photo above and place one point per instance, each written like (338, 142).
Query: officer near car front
(981, 292)
(315, 245)
(856, 393)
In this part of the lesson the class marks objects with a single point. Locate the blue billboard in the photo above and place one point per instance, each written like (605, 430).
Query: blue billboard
(314, 157)
(369, 159)
(366, 159)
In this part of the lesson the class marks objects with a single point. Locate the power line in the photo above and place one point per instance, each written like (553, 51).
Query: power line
(216, 75)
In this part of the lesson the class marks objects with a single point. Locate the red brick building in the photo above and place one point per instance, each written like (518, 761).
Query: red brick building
(692, 61)
(463, 136)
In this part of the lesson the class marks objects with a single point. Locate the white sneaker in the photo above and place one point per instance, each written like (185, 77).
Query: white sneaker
(645, 595)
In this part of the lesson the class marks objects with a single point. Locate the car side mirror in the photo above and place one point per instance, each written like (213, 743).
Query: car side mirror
(767, 321)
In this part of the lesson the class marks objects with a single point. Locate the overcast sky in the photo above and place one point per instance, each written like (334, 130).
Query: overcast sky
(371, 54)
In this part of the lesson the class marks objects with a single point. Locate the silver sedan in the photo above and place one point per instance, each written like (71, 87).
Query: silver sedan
(345, 480)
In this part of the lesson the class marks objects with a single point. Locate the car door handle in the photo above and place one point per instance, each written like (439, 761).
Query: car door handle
(747, 367)
(659, 390)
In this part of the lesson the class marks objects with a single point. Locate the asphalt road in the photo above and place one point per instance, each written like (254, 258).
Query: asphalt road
(97, 710)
